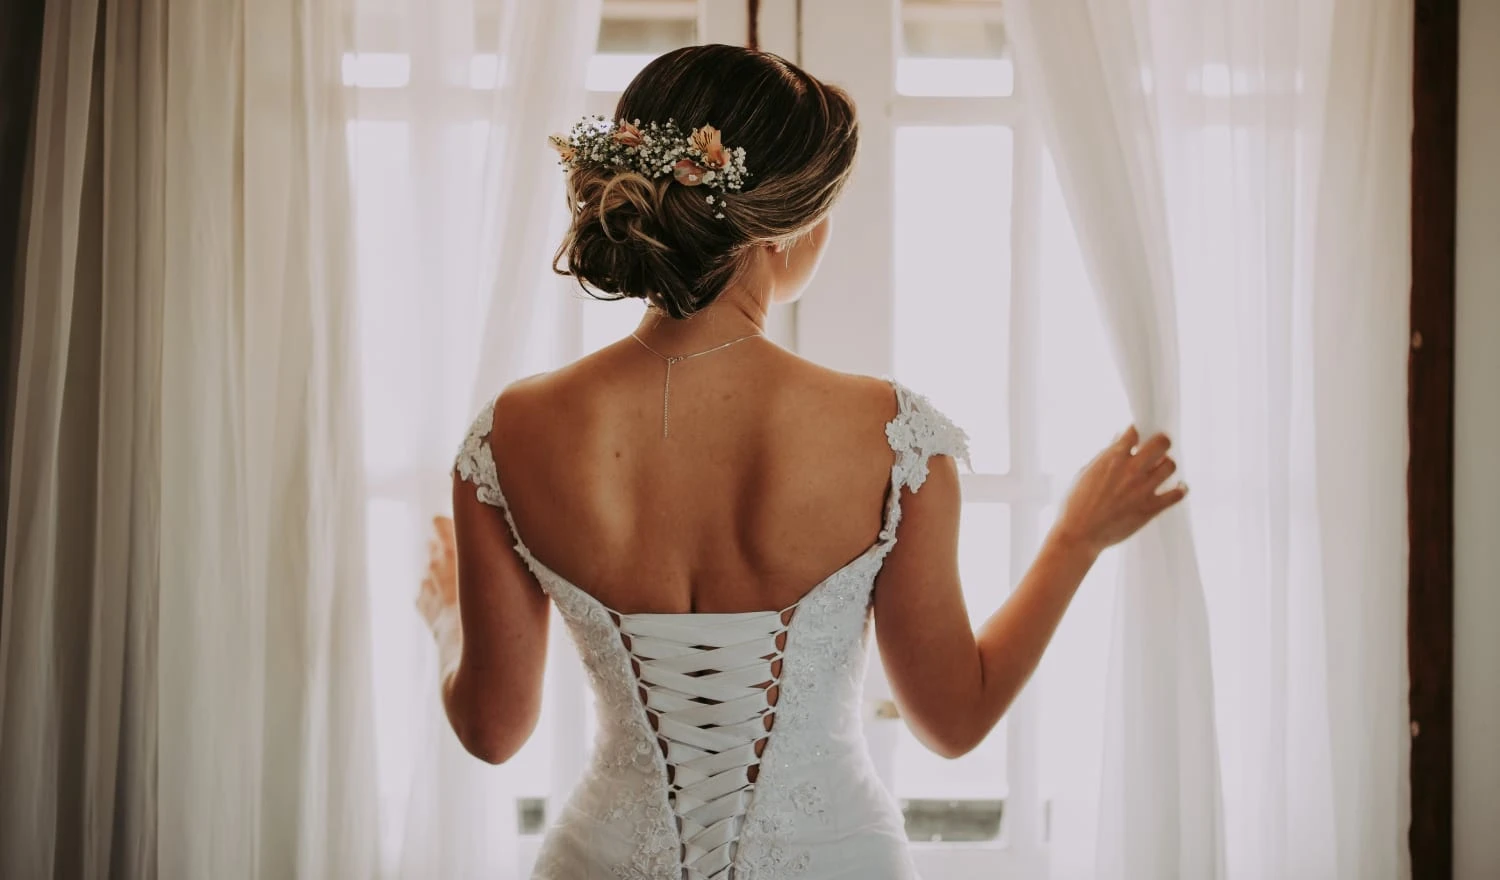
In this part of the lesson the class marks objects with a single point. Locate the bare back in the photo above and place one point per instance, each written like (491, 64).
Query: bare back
(773, 475)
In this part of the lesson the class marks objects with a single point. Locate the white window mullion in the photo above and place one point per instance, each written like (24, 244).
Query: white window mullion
(855, 291)
(924, 110)
(1023, 817)
(779, 33)
(848, 321)
(728, 21)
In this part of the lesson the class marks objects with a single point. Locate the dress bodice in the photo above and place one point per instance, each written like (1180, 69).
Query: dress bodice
(730, 745)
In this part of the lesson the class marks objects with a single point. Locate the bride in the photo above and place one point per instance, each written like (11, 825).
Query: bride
(718, 520)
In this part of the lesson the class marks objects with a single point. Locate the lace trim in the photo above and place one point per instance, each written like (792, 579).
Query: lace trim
(476, 463)
(918, 432)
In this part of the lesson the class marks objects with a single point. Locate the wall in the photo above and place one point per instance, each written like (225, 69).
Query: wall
(1477, 490)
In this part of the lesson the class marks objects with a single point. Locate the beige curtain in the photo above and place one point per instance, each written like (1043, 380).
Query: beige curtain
(184, 656)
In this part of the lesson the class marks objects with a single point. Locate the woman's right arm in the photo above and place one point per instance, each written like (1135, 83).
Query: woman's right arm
(951, 684)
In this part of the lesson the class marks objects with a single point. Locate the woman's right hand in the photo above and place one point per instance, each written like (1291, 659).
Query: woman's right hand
(1119, 492)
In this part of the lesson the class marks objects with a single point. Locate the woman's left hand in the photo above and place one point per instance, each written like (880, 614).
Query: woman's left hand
(440, 586)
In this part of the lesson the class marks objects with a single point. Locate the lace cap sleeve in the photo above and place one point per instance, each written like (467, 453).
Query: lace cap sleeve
(918, 432)
(475, 462)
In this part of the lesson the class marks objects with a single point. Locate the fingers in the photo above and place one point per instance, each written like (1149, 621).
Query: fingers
(443, 526)
(1163, 500)
(1126, 442)
(1159, 474)
(1151, 453)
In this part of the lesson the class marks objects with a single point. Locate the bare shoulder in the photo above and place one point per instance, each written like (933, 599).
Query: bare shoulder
(559, 405)
(526, 415)
(517, 401)
(843, 398)
(796, 395)
(533, 398)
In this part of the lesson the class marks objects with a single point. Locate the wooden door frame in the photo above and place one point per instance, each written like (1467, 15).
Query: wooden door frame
(1434, 192)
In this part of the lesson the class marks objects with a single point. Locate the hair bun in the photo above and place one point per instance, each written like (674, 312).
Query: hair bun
(626, 240)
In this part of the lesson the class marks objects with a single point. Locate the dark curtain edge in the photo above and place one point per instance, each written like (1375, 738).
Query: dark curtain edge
(20, 65)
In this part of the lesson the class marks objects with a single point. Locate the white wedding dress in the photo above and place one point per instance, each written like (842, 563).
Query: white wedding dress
(676, 789)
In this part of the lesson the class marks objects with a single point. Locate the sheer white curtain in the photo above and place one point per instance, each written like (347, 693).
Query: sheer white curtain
(458, 198)
(1237, 172)
(184, 658)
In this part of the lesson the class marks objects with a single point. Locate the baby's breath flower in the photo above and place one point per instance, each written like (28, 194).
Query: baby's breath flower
(655, 150)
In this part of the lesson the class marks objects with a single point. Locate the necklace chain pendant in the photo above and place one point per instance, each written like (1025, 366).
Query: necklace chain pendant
(666, 388)
(666, 397)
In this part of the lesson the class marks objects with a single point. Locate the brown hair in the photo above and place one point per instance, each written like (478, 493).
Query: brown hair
(631, 236)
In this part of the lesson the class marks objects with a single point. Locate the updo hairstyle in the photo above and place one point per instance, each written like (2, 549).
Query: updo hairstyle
(662, 241)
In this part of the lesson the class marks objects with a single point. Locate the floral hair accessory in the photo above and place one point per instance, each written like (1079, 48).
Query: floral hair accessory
(656, 150)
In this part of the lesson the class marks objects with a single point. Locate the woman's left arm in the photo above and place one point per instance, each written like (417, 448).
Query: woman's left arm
(489, 616)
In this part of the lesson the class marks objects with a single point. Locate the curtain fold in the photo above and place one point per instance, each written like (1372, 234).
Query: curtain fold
(184, 655)
(458, 206)
(1237, 173)
(1085, 68)
(20, 65)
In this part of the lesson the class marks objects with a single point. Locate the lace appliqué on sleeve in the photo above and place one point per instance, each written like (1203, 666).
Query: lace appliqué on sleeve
(475, 462)
(918, 432)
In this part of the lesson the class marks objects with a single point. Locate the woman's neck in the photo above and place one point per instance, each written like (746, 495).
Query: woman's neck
(734, 315)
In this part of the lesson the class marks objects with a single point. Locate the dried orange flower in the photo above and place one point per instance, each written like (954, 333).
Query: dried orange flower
(628, 135)
(706, 141)
(563, 148)
(688, 172)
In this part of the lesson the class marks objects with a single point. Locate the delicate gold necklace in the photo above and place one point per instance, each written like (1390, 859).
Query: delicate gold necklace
(666, 388)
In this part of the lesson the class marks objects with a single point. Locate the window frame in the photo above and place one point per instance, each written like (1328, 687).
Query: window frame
(848, 323)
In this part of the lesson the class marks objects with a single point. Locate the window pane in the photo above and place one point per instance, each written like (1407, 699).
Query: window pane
(637, 35)
(629, 39)
(395, 256)
(984, 566)
(608, 321)
(376, 70)
(953, 47)
(630, 35)
(379, 154)
(952, 314)
(952, 821)
(1070, 686)
(1082, 403)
